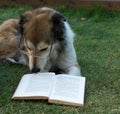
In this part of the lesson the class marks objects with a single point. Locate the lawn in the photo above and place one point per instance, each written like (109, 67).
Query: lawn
(97, 43)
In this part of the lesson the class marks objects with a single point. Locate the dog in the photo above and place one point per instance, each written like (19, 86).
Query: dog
(43, 41)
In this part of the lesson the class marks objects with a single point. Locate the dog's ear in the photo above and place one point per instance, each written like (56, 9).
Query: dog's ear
(25, 17)
(58, 26)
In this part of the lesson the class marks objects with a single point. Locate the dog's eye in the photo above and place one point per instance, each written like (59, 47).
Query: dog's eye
(44, 49)
(29, 48)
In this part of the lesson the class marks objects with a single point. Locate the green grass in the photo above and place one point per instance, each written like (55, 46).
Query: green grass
(97, 44)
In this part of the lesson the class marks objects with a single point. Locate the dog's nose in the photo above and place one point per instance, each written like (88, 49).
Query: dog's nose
(35, 70)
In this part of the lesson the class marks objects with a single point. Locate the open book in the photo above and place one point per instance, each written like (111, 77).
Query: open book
(58, 89)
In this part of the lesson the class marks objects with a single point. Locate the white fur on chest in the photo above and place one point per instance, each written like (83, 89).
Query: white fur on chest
(68, 57)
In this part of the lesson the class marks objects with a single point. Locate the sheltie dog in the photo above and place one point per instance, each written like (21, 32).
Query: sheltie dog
(41, 39)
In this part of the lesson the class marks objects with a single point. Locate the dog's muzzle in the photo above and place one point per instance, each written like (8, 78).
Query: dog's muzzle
(35, 70)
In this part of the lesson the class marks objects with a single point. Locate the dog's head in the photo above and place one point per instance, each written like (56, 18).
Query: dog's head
(40, 28)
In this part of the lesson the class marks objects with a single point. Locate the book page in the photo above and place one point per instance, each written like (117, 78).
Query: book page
(69, 89)
(34, 85)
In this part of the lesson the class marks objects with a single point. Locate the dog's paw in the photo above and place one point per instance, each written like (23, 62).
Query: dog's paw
(74, 70)
(13, 60)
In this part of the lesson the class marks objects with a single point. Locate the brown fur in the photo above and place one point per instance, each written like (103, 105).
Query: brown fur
(39, 29)
(8, 41)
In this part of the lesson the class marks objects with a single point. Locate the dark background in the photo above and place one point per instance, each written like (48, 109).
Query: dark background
(110, 4)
